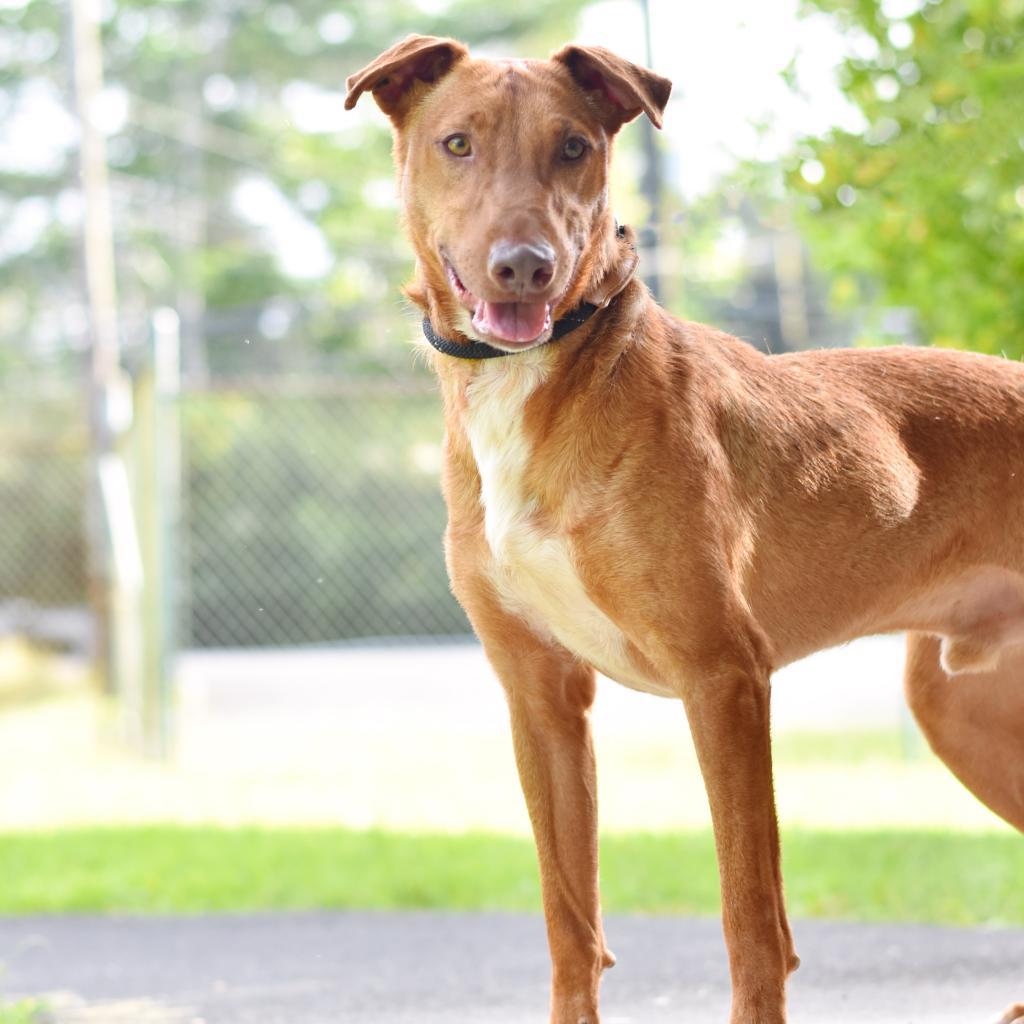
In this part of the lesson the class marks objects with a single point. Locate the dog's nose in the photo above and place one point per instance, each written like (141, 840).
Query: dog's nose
(521, 266)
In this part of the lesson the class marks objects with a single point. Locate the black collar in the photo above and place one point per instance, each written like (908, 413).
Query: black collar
(481, 350)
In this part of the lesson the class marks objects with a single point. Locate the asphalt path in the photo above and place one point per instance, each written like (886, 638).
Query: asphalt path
(378, 968)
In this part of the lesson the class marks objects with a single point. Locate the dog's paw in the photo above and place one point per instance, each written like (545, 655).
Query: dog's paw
(1013, 1015)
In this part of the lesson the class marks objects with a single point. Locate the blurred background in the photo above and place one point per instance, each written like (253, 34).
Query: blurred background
(222, 594)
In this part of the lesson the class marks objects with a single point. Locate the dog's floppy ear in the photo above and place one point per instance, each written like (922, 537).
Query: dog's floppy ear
(622, 90)
(393, 76)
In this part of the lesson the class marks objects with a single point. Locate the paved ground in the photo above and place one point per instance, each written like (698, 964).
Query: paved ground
(857, 685)
(427, 968)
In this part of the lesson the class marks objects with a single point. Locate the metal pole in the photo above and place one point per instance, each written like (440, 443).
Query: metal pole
(157, 501)
(98, 255)
(650, 183)
(168, 359)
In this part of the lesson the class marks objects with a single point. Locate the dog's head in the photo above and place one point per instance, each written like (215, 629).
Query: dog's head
(503, 177)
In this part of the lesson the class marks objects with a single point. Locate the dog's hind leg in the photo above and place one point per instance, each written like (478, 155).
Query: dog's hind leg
(974, 721)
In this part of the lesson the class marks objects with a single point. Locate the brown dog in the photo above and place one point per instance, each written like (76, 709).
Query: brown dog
(659, 501)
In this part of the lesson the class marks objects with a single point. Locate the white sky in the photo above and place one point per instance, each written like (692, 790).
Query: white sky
(725, 60)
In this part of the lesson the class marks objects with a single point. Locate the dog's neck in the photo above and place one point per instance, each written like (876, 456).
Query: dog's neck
(587, 354)
(609, 282)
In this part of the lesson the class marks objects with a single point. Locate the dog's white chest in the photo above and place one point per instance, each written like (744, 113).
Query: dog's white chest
(532, 567)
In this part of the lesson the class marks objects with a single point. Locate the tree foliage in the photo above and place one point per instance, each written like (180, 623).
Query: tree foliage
(927, 198)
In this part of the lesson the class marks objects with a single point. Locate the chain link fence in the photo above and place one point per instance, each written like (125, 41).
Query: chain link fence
(310, 514)
(43, 559)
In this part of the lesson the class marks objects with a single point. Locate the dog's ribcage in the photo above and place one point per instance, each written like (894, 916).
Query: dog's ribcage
(532, 567)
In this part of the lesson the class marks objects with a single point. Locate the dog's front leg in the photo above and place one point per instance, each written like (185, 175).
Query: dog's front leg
(549, 696)
(729, 718)
(548, 702)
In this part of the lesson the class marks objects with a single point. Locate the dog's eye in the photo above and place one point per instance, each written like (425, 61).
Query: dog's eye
(458, 145)
(574, 148)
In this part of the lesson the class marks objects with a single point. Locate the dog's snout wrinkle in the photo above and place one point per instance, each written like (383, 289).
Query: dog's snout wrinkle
(521, 267)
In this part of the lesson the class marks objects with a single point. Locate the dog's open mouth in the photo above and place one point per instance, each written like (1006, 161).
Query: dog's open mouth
(514, 323)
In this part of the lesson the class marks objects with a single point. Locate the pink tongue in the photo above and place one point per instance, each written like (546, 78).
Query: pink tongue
(511, 321)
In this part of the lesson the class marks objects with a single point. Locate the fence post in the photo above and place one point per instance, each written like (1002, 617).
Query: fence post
(98, 262)
(126, 576)
(157, 484)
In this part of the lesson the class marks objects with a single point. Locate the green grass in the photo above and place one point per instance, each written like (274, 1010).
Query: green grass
(951, 878)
